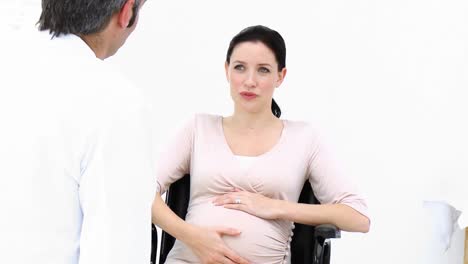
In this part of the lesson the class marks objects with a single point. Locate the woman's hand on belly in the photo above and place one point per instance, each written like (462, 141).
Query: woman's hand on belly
(251, 203)
(209, 247)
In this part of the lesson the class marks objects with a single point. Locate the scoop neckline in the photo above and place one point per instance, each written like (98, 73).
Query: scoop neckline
(266, 153)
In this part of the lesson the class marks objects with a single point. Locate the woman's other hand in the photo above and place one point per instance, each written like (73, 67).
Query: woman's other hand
(252, 203)
(209, 247)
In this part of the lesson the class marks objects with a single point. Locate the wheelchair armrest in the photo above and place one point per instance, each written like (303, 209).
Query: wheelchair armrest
(327, 231)
(322, 247)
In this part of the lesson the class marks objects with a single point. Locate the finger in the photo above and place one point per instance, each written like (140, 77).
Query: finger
(221, 197)
(219, 201)
(225, 199)
(234, 257)
(227, 231)
(236, 192)
(226, 260)
(240, 207)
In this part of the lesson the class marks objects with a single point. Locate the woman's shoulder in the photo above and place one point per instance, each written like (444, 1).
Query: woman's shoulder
(204, 121)
(206, 117)
(197, 118)
(301, 128)
(309, 135)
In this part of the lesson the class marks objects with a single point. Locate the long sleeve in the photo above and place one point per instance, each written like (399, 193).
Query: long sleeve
(174, 162)
(329, 182)
(116, 192)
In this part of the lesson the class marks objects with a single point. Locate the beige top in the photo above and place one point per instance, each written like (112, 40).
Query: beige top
(201, 149)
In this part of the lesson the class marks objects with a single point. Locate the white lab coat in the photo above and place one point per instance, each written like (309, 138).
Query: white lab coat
(76, 180)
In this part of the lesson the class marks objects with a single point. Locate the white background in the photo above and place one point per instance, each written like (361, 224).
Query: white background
(385, 80)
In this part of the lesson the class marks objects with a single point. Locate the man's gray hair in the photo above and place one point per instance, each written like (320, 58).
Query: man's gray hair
(80, 17)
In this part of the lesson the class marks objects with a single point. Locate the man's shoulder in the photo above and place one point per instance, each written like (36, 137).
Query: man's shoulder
(107, 89)
(63, 73)
(98, 80)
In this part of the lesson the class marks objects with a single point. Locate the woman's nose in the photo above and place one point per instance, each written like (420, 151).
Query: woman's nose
(251, 80)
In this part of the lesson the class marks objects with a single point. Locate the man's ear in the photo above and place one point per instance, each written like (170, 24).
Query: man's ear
(126, 13)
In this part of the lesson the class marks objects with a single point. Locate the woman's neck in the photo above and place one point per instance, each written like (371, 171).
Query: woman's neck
(252, 121)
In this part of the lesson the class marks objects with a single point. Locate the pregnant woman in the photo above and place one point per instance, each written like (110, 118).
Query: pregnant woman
(247, 170)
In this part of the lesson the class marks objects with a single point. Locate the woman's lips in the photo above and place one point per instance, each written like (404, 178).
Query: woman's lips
(248, 95)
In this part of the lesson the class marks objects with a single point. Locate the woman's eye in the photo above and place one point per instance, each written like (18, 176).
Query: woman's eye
(239, 67)
(263, 70)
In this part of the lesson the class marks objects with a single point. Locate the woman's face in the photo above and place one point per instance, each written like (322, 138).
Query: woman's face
(253, 75)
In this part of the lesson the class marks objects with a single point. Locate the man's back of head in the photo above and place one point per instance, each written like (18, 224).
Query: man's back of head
(104, 25)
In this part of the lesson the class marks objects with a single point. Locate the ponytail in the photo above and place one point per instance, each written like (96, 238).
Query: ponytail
(275, 109)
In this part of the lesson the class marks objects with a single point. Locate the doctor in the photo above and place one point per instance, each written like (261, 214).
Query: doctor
(75, 165)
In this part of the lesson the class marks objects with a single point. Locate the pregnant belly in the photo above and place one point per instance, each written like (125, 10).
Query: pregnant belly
(260, 241)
